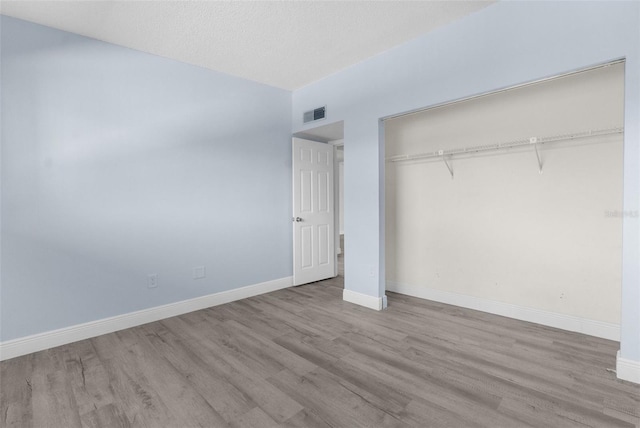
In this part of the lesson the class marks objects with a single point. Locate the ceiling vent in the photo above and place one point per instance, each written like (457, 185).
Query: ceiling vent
(316, 114)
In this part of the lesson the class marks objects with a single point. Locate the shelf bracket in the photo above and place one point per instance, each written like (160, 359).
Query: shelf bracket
(449, 166)
(534, 141)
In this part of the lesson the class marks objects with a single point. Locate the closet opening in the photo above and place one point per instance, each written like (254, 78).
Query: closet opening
(511, 202)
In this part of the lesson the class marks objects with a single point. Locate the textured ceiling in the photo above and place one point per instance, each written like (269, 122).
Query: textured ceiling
(287, 44)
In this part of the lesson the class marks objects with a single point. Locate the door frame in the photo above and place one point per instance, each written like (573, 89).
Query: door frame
(336, 199)
(332, 134)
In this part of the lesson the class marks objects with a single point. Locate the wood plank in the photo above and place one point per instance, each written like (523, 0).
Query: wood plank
(305, 419)
(255, 418)
(185, 403)
(89, 380)
(16, 391)
(269, 350)
(223, 361)
(137, 398)
(225, 398)
(53, 401)
(332, 402)
(109, 416)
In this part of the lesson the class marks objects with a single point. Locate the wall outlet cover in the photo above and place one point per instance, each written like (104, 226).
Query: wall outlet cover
(152, 280)
(199, 272)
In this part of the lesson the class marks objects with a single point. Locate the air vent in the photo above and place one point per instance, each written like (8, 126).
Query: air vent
(316, 114)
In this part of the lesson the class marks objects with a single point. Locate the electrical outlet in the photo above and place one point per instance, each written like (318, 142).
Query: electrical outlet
(199, 272)
(152, 280)
(372, 271)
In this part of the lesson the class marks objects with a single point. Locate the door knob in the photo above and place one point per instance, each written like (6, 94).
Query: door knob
(297, 219)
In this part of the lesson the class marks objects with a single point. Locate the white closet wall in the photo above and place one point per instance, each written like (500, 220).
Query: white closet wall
(499, 230)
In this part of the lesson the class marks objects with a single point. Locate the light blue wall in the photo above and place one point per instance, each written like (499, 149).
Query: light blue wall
(117, 164)
(506, 44)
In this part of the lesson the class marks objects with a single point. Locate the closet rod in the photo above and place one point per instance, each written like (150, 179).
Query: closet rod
(507, 145)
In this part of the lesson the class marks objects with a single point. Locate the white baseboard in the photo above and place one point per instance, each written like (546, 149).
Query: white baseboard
(38, 342)
(552, 319)
(371, 302)
(627, 369)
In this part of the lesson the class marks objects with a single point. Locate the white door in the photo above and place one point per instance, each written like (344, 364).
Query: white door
(313, 217)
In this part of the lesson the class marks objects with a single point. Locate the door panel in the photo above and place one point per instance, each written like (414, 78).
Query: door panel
(313, 228)
(323, 244)
(306, 237)
(323, 192)
(306, 192)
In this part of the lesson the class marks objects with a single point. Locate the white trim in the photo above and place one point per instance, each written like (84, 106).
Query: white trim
(371, 302)
(552, 319)
(628, 370)
(38, 342)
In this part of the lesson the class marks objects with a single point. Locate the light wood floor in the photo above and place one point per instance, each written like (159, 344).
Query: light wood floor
(302, 357)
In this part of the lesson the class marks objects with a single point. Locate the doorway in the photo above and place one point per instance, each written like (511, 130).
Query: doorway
(332, 135)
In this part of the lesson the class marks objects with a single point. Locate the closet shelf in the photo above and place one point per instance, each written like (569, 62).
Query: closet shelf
(535, 141)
